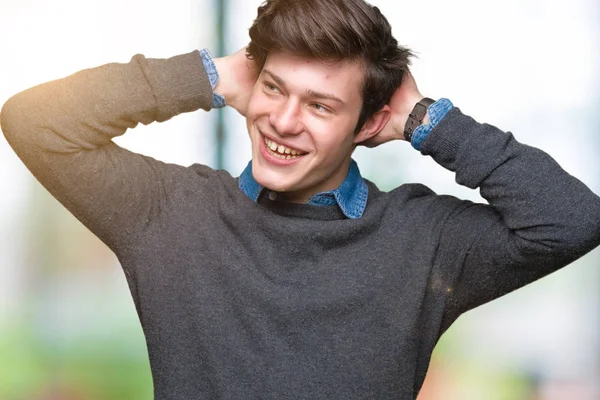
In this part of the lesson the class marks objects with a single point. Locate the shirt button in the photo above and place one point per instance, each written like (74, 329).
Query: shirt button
(272, 195)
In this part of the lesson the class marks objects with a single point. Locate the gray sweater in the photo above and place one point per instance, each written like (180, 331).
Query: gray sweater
(240, 300)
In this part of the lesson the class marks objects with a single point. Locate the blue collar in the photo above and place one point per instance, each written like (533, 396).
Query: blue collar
(350, 196)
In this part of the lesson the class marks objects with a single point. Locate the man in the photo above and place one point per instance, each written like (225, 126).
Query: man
(299, 279)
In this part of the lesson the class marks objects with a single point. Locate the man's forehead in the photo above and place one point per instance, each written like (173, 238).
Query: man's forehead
(342, 76)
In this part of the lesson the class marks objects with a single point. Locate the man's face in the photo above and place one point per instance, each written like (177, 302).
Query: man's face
(301, 119)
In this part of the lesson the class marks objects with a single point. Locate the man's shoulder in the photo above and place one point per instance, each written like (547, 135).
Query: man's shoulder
(202, 170)
(413, 198)
(193, 180)
(405, 190)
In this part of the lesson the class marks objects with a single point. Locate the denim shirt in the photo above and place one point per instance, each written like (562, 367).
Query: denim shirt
(351, 195)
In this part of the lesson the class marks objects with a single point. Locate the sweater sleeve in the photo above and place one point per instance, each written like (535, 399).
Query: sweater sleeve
(539, 217)
(63, 130)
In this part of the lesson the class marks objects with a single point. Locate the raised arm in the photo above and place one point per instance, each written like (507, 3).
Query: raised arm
(63, 130)
(539, 217)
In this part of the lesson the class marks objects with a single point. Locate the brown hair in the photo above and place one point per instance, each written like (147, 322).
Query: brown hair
(334, 30)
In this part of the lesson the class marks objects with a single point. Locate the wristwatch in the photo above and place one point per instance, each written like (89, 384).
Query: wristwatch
(416, 117)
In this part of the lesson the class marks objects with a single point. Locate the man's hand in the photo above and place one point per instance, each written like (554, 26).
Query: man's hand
(401, 103)
(237, 76)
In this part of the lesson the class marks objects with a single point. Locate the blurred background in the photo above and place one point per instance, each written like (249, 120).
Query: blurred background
(68, 327)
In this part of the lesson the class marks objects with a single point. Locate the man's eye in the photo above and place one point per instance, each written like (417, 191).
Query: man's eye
(320, 108)
(271, 88)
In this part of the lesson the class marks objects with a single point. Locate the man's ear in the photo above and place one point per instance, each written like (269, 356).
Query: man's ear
(374, 125)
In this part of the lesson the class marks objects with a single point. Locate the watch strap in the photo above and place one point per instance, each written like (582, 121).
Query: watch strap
(416, 116)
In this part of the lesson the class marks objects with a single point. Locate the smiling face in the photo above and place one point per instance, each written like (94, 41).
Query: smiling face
(301, 120)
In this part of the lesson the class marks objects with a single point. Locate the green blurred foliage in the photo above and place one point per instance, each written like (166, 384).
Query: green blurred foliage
(31, 369)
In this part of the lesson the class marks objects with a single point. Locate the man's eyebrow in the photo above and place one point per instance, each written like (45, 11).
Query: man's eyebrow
(319, 95)
(276, 78)
(311, 93)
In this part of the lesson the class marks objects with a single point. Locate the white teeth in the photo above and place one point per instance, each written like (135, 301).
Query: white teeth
(281, 151)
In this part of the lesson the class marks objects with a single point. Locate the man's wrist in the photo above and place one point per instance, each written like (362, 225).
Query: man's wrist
(417, 116)
(221, 86)
(213, 77)
(435, 113)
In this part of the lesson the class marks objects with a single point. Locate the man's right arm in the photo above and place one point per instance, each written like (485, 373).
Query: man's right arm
(63, 130)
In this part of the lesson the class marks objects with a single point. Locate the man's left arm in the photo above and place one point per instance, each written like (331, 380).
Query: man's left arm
(539, 217)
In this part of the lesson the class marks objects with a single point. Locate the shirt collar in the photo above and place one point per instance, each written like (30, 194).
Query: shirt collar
(350, 196)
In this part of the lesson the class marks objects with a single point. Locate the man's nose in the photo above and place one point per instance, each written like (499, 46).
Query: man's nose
(286, 119)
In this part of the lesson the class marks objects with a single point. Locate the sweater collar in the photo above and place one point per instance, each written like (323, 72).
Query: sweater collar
(350, 196)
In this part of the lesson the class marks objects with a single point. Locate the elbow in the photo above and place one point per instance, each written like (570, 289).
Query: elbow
(590, 229)
(562, 241)
(574, 228)
(582, 233)
(21, 118)
(13, 119)
(7, 117)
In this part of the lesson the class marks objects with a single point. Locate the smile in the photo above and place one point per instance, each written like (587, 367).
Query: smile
(281, 151)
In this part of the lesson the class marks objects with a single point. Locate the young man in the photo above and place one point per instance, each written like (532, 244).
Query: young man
(299, 279)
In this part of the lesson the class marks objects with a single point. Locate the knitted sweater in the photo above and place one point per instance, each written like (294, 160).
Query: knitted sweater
(270, 300)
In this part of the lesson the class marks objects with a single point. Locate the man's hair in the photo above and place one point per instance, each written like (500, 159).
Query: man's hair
(334, 30)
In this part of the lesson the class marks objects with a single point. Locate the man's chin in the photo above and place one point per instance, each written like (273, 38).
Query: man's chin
(269, 178)
(275, 183)
(277, 186)
(289, 187)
